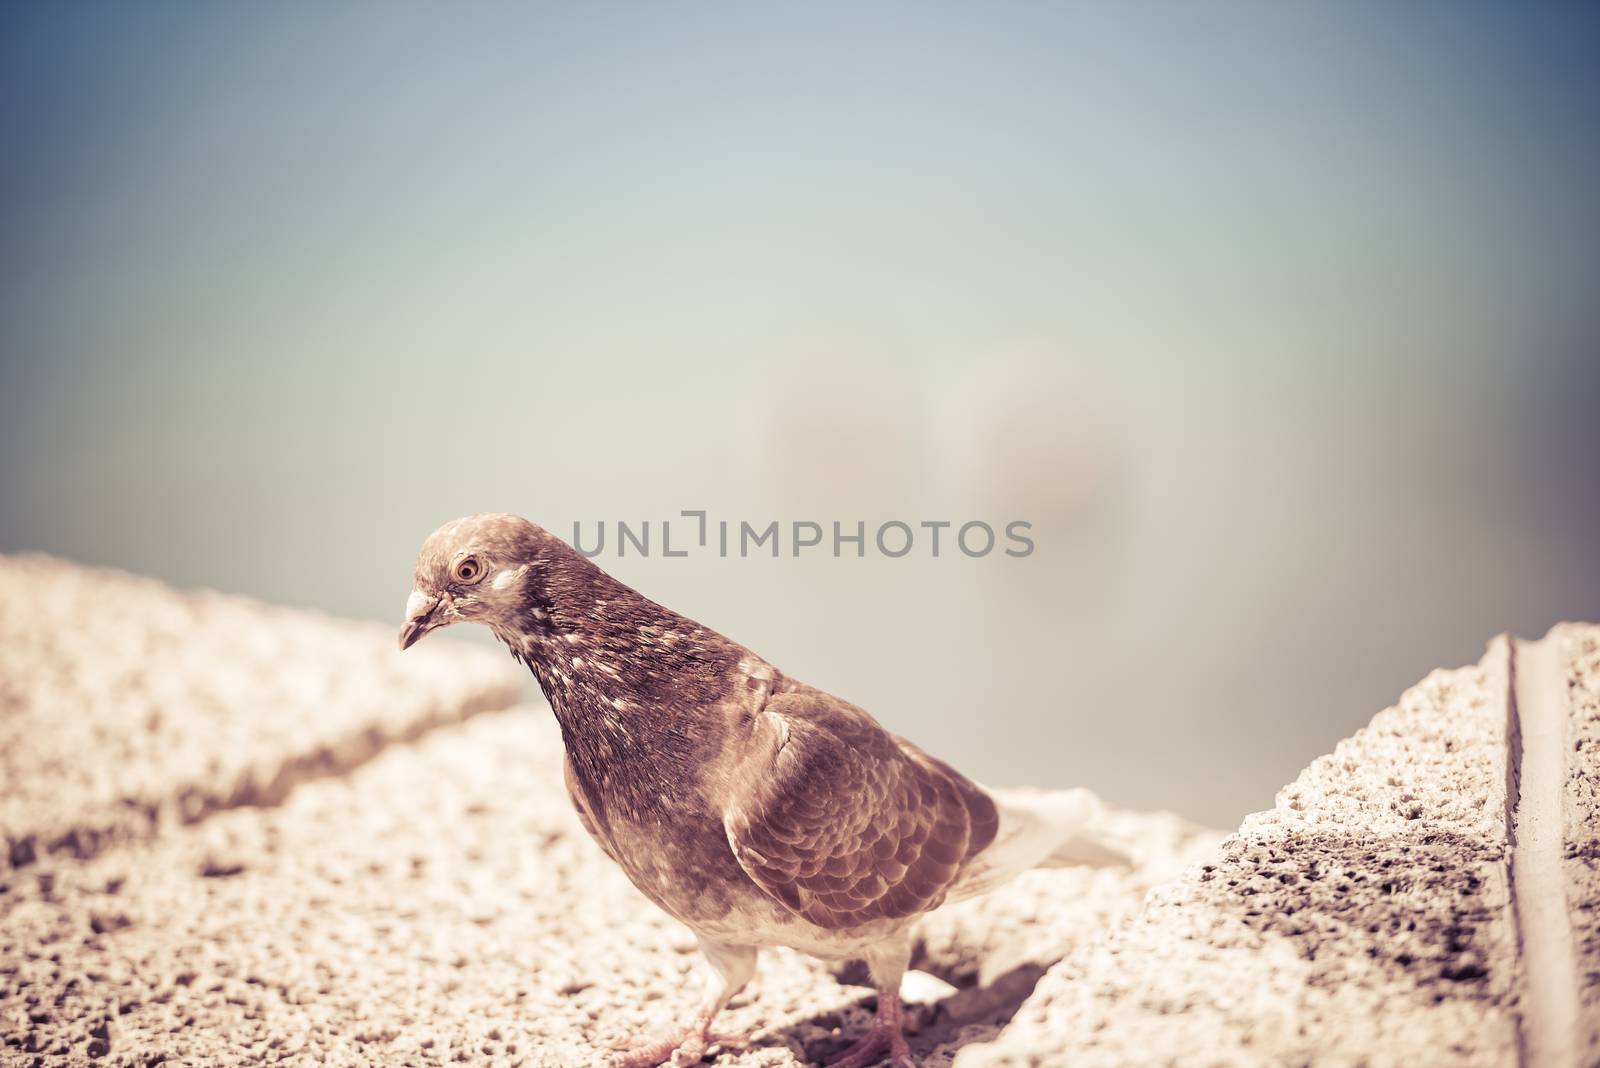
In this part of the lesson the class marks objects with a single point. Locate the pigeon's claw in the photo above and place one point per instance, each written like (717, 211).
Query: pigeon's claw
(881, 1044)
(679, 1046)
(886, 1042)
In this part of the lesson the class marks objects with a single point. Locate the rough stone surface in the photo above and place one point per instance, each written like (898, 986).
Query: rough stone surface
(1364, 920)
(441, 904)
(1581, 824)
(319, 859)
(124, 703)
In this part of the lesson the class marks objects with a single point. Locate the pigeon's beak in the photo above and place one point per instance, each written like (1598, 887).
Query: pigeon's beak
(420, 609)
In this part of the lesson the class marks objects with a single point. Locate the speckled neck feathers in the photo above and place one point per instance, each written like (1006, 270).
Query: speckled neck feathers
(640, 691)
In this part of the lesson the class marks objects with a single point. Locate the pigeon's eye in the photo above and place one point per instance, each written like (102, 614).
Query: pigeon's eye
(469, 569)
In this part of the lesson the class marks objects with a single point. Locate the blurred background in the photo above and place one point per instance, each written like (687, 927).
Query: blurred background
(1279, 322)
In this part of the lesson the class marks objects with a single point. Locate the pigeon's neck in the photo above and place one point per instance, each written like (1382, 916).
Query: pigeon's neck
(589, 638)
(635, 686)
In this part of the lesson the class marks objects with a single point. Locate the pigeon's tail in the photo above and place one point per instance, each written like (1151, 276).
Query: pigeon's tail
(1040, 829)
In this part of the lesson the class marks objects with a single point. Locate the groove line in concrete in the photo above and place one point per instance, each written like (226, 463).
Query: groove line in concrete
(1538, 711)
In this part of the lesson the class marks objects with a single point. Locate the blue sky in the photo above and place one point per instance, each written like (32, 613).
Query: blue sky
(1308, 291)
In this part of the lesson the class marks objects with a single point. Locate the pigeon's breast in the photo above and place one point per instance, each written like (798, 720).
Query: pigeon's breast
(682, 862)
(689, 870)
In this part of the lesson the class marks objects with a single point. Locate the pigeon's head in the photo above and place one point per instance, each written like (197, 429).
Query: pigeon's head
(473, 570)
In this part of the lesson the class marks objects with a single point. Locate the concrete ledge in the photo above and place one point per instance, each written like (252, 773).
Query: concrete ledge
(1370, 917)
(441, 904)
(1407, 901)
(125, 703)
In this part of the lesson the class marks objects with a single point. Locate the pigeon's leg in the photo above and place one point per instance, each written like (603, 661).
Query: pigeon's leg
(886, 1041)
(729, 968)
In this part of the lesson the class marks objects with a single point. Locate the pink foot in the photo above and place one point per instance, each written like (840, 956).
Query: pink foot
(678, 1046)
(878, 1042)
(885, 1038)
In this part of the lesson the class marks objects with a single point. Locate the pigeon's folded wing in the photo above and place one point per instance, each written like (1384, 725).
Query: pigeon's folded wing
(845, 823)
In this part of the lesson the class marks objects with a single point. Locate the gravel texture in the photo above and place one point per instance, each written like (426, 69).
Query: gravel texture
(1363, 920)
(286, 845)
(125, 703)
(441, 904)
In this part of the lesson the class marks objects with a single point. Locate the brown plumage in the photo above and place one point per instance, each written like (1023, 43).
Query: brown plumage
(752, 807)
(850, 824)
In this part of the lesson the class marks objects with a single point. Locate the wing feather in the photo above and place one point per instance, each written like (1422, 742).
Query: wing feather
(848, 824)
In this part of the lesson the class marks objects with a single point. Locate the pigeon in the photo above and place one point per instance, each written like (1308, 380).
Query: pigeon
(753, 808)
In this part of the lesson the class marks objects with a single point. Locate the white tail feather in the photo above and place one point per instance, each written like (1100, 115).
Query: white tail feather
(1040, 829)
